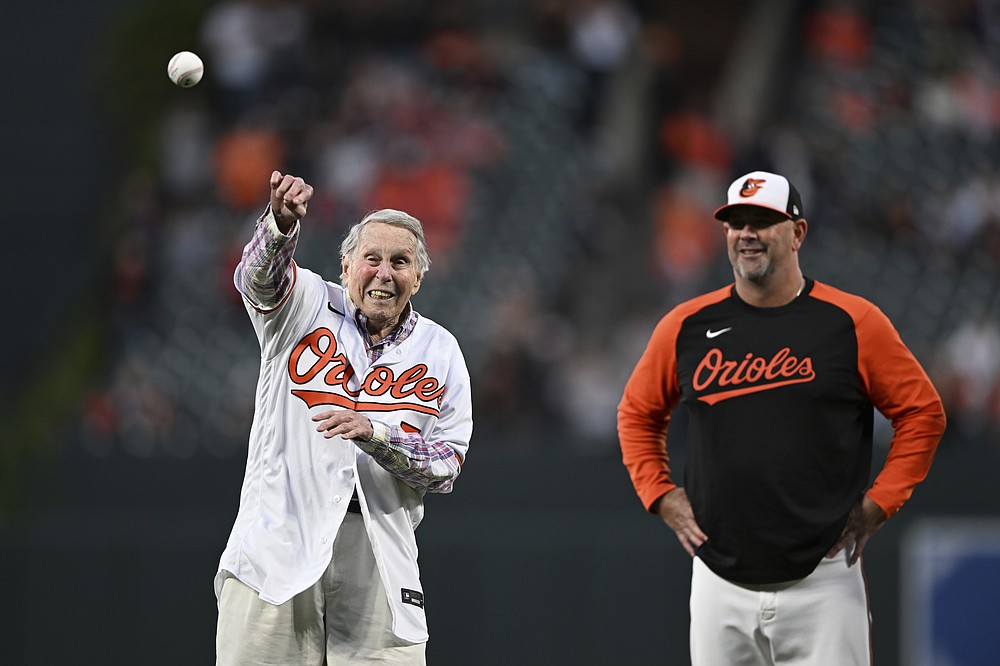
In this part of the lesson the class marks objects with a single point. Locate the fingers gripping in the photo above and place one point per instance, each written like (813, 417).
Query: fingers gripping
(290, 197)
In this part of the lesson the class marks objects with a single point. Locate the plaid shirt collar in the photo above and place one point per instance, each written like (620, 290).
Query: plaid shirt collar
(397, 335)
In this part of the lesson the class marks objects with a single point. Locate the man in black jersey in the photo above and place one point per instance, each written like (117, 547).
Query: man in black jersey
(781, 375)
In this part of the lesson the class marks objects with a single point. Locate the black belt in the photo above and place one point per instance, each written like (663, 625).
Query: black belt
(354, 506)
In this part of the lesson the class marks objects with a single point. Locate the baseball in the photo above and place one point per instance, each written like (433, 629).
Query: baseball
(185, 69)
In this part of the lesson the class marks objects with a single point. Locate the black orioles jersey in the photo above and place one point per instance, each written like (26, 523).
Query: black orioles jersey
(781, 418)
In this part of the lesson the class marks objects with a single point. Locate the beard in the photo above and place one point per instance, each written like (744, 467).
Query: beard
(752, 269)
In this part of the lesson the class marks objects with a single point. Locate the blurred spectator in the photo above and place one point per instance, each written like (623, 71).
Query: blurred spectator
(839, 33)
(549, 69)
(965, 213)
(346, 166)
(603, 35)
(969, 376)
(245, 158)
(524, 344)
(185, 149)
(252, 43)
(977, 91)
(434, 192)
(693, 140)
(684, 240)
(588, 396)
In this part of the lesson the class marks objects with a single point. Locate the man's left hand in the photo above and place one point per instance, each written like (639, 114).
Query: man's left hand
(347, 423)
(865, 518)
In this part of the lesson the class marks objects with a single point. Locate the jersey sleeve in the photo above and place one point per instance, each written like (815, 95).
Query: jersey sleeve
(900, 389)
(650, 395)
(281, 298)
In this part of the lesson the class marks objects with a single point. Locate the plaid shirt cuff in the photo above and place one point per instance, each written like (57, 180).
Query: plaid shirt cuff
(429, 466)
(264, 275)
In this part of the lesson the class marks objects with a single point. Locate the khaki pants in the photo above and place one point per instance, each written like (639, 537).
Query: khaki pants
(343, 619)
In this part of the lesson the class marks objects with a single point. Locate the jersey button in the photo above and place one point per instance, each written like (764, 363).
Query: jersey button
(337, 498)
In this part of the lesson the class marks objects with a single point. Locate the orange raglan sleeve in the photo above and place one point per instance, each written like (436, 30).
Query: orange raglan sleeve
(899, 388)
(650, 395)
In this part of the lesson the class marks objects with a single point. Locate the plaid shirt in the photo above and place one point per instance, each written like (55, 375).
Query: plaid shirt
(265, 278)
(377, 349)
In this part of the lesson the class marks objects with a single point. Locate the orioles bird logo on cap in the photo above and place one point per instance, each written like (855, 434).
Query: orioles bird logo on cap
(751, 186)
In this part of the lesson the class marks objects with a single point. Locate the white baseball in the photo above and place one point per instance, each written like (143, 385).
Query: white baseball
(185, 69)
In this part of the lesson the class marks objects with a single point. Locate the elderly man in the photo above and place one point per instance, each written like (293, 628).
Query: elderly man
(362, 406)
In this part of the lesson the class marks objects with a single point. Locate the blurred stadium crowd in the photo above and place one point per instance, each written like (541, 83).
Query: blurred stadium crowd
(565, 157)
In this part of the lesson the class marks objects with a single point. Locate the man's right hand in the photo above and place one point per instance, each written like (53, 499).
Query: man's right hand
(675, 510)
(289, 199)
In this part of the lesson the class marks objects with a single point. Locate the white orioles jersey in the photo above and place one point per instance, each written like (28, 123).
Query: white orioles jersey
(298, 483)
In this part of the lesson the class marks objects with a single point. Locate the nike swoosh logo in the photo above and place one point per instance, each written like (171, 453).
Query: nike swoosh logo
(332, 309)
(714, 334)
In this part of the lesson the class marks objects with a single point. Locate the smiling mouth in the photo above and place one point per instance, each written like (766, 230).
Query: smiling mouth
(380, 295)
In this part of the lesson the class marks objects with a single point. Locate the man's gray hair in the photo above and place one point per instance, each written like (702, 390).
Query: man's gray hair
(396, 218)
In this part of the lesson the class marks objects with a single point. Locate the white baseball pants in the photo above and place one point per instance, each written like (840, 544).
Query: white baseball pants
(343, 619)
(819, 620)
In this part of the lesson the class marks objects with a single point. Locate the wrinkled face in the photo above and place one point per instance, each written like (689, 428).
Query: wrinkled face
(381, 275)
(759, 241)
